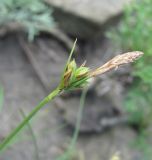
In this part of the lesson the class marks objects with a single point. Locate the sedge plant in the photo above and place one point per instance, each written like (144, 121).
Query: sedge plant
(73, 77)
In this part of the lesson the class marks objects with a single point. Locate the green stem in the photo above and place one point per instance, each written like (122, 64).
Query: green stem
(36, 153)
(29, 117)
(79, 117)
(67, 155)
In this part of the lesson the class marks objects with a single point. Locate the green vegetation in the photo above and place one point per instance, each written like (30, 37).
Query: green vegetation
(70, 153)
(73, 77)
(135, 33)
(32, 15)
(65, 84)
(36, 153)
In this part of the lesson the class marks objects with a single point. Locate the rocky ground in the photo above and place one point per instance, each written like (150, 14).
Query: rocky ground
(29, 71)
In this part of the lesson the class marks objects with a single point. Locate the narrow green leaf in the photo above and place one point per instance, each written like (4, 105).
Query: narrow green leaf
(36, 155)
(68, 154)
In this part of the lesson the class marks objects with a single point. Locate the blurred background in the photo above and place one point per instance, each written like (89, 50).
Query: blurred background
(36, 37)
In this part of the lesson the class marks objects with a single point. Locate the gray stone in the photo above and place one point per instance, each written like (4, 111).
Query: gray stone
(84, 18)
(105, 146)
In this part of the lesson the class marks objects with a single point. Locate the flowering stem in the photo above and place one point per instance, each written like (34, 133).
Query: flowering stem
(46, 100)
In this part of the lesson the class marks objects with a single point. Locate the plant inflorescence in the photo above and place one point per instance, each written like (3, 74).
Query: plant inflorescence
(73, 77)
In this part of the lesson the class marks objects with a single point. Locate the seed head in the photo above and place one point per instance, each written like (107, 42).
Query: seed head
(116, 62)
(75, 77)
(78, 77)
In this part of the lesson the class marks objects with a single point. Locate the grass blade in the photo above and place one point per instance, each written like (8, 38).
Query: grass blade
(36, 155)
(67, 155)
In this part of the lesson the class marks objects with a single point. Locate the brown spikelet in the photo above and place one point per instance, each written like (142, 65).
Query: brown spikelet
(67, 76)
(116, 62)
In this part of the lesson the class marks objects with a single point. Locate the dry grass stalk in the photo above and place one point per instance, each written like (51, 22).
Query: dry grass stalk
(116, 62)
